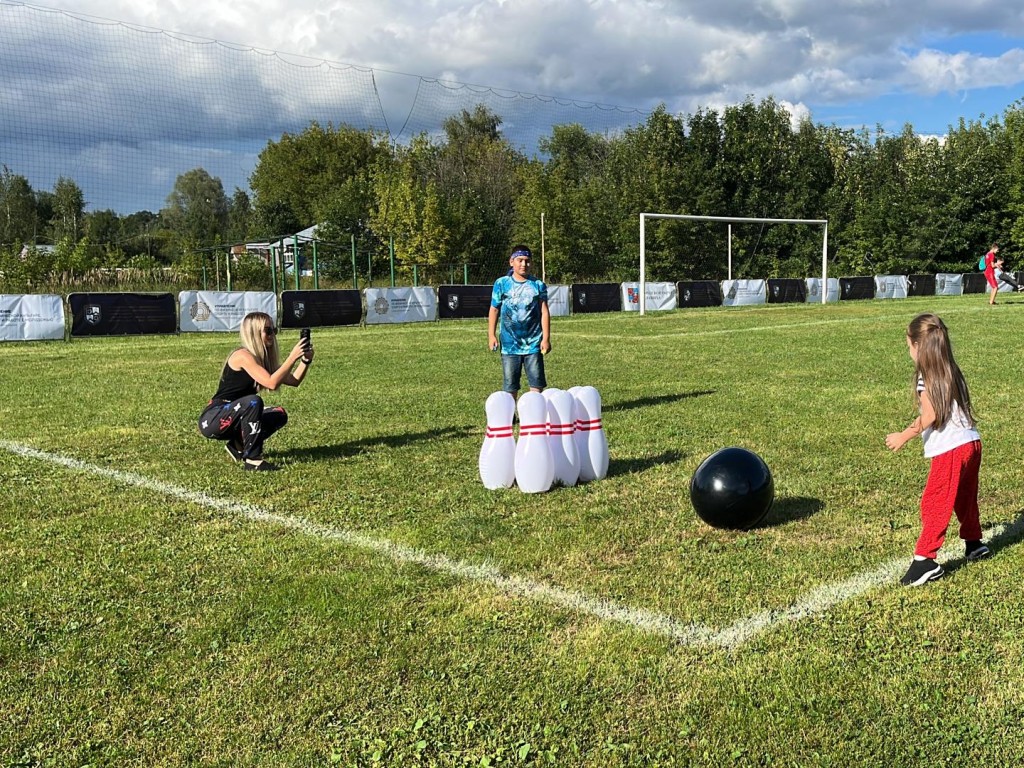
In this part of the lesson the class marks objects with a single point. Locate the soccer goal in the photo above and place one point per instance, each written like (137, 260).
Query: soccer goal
(730, 220)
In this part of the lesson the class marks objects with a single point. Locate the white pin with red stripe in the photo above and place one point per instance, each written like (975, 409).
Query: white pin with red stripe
(534, 464)
(498, 453)
(591, 441)
(561, 435)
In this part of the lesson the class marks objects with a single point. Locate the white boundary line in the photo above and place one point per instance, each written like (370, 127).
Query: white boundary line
(817, 601)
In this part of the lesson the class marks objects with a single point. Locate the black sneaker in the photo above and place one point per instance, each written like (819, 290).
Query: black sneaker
(261, 466)
(976, 550)
(921, 572)
(233, 449)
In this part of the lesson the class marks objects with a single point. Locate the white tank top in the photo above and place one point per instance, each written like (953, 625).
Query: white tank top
(954, 433)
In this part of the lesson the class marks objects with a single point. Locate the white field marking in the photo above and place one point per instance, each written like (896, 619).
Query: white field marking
(817, 601)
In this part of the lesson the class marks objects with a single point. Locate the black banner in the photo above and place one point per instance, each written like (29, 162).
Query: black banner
(786, 290)
(596, 297)
(122, 314)
(315, 309)
(699, 293)
(851, 288)
(460, 301)
(975, 282)
(920, 285)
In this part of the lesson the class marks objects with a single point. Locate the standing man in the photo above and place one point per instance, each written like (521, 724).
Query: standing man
(521, 301)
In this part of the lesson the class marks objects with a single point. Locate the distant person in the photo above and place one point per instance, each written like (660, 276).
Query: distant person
(236, 413)
(520, 301)
(1006, 277)
(990, 272)
(951, 440)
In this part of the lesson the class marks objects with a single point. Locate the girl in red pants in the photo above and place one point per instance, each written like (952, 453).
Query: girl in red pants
(951, 440)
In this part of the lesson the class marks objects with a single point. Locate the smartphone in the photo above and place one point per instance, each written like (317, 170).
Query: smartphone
(304, 335)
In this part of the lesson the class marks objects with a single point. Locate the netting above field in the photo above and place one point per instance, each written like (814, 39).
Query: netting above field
(124, 110)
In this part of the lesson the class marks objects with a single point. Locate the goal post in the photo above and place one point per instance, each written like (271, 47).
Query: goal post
(729, 220)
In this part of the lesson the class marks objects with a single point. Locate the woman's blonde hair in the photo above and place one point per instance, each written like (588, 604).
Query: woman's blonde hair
(943, 380)
(254, 340)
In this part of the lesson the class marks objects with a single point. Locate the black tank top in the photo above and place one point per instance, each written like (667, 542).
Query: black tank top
(235, 385)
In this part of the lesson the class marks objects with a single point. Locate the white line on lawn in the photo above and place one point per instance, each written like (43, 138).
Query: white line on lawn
(743, 630)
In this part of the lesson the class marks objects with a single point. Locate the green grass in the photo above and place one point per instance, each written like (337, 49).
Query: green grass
(137, 628)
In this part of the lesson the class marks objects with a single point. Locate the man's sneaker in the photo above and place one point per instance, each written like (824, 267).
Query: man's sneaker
(234, 450)
(976, 550)
(259, 466)
(921, 572)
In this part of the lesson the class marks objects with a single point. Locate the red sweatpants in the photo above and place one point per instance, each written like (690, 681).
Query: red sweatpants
(952, 487)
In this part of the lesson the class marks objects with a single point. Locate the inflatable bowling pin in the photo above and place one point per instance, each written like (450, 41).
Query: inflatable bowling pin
(590, 437)
(562, 436)
(535, 466)
(498, 453)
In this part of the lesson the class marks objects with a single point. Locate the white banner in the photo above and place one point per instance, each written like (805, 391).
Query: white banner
(658, 296)
(738, 293)
(222, 310)
(814, 290)
(949, 284)
(31, 317)
(890, 286)
(558, 300)
(400, 305)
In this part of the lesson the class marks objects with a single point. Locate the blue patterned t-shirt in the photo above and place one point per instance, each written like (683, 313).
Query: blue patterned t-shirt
(519, 313)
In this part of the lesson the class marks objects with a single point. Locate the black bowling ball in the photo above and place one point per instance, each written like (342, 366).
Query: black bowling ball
(732, 488)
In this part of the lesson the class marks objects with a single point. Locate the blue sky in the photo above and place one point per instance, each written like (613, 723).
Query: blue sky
(856, 63)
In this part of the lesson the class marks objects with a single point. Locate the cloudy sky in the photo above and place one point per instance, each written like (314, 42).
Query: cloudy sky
(850, 62)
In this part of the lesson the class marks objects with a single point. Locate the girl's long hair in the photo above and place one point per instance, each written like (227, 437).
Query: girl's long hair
(943, 380)
(254, 340)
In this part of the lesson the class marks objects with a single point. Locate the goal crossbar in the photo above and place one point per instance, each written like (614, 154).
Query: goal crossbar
(728, 220)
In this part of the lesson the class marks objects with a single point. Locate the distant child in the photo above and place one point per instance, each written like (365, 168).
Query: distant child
(947, 428)
(990, 272)
(521, 302)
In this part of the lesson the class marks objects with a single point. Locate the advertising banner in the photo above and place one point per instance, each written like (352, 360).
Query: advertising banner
(741, 293)
(558, 300)
(699, 293)
(203, 311)
(316, 309)
(891, 287)
(461, 301)
(814, 290)
(783, 290)
(658, 296)
(122, 314)
(920, 285)
(30, 317)
(853, 288)
(596, 297)
(400, 305)
(949, 284)
(974, 282)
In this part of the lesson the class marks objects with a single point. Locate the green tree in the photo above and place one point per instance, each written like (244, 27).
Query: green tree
(17, 210)
(197, 209)
(68, 220)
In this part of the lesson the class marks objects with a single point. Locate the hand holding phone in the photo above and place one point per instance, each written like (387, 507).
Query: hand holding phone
(304, 336)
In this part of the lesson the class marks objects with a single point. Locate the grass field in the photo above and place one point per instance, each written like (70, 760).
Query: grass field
(372, 603)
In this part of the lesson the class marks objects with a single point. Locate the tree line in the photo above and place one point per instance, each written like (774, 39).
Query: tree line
(896, 203)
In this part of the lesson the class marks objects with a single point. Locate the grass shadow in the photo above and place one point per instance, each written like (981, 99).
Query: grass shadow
(1000, 537)
(632, 466)
(791, 509)
(644, 402)
(353, 447)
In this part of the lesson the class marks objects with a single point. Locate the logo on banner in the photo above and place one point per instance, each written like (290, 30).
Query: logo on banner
(814, 289)
(299, 309)
(633, 295)
(775, 291)
(93, 314)
(380, 306)
(732, 291)
(941, 283)
(200, 311)
(686, 295)
(583, 298)
(453, 301)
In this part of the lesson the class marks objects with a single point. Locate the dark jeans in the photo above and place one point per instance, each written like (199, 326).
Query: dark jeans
(245, 420)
